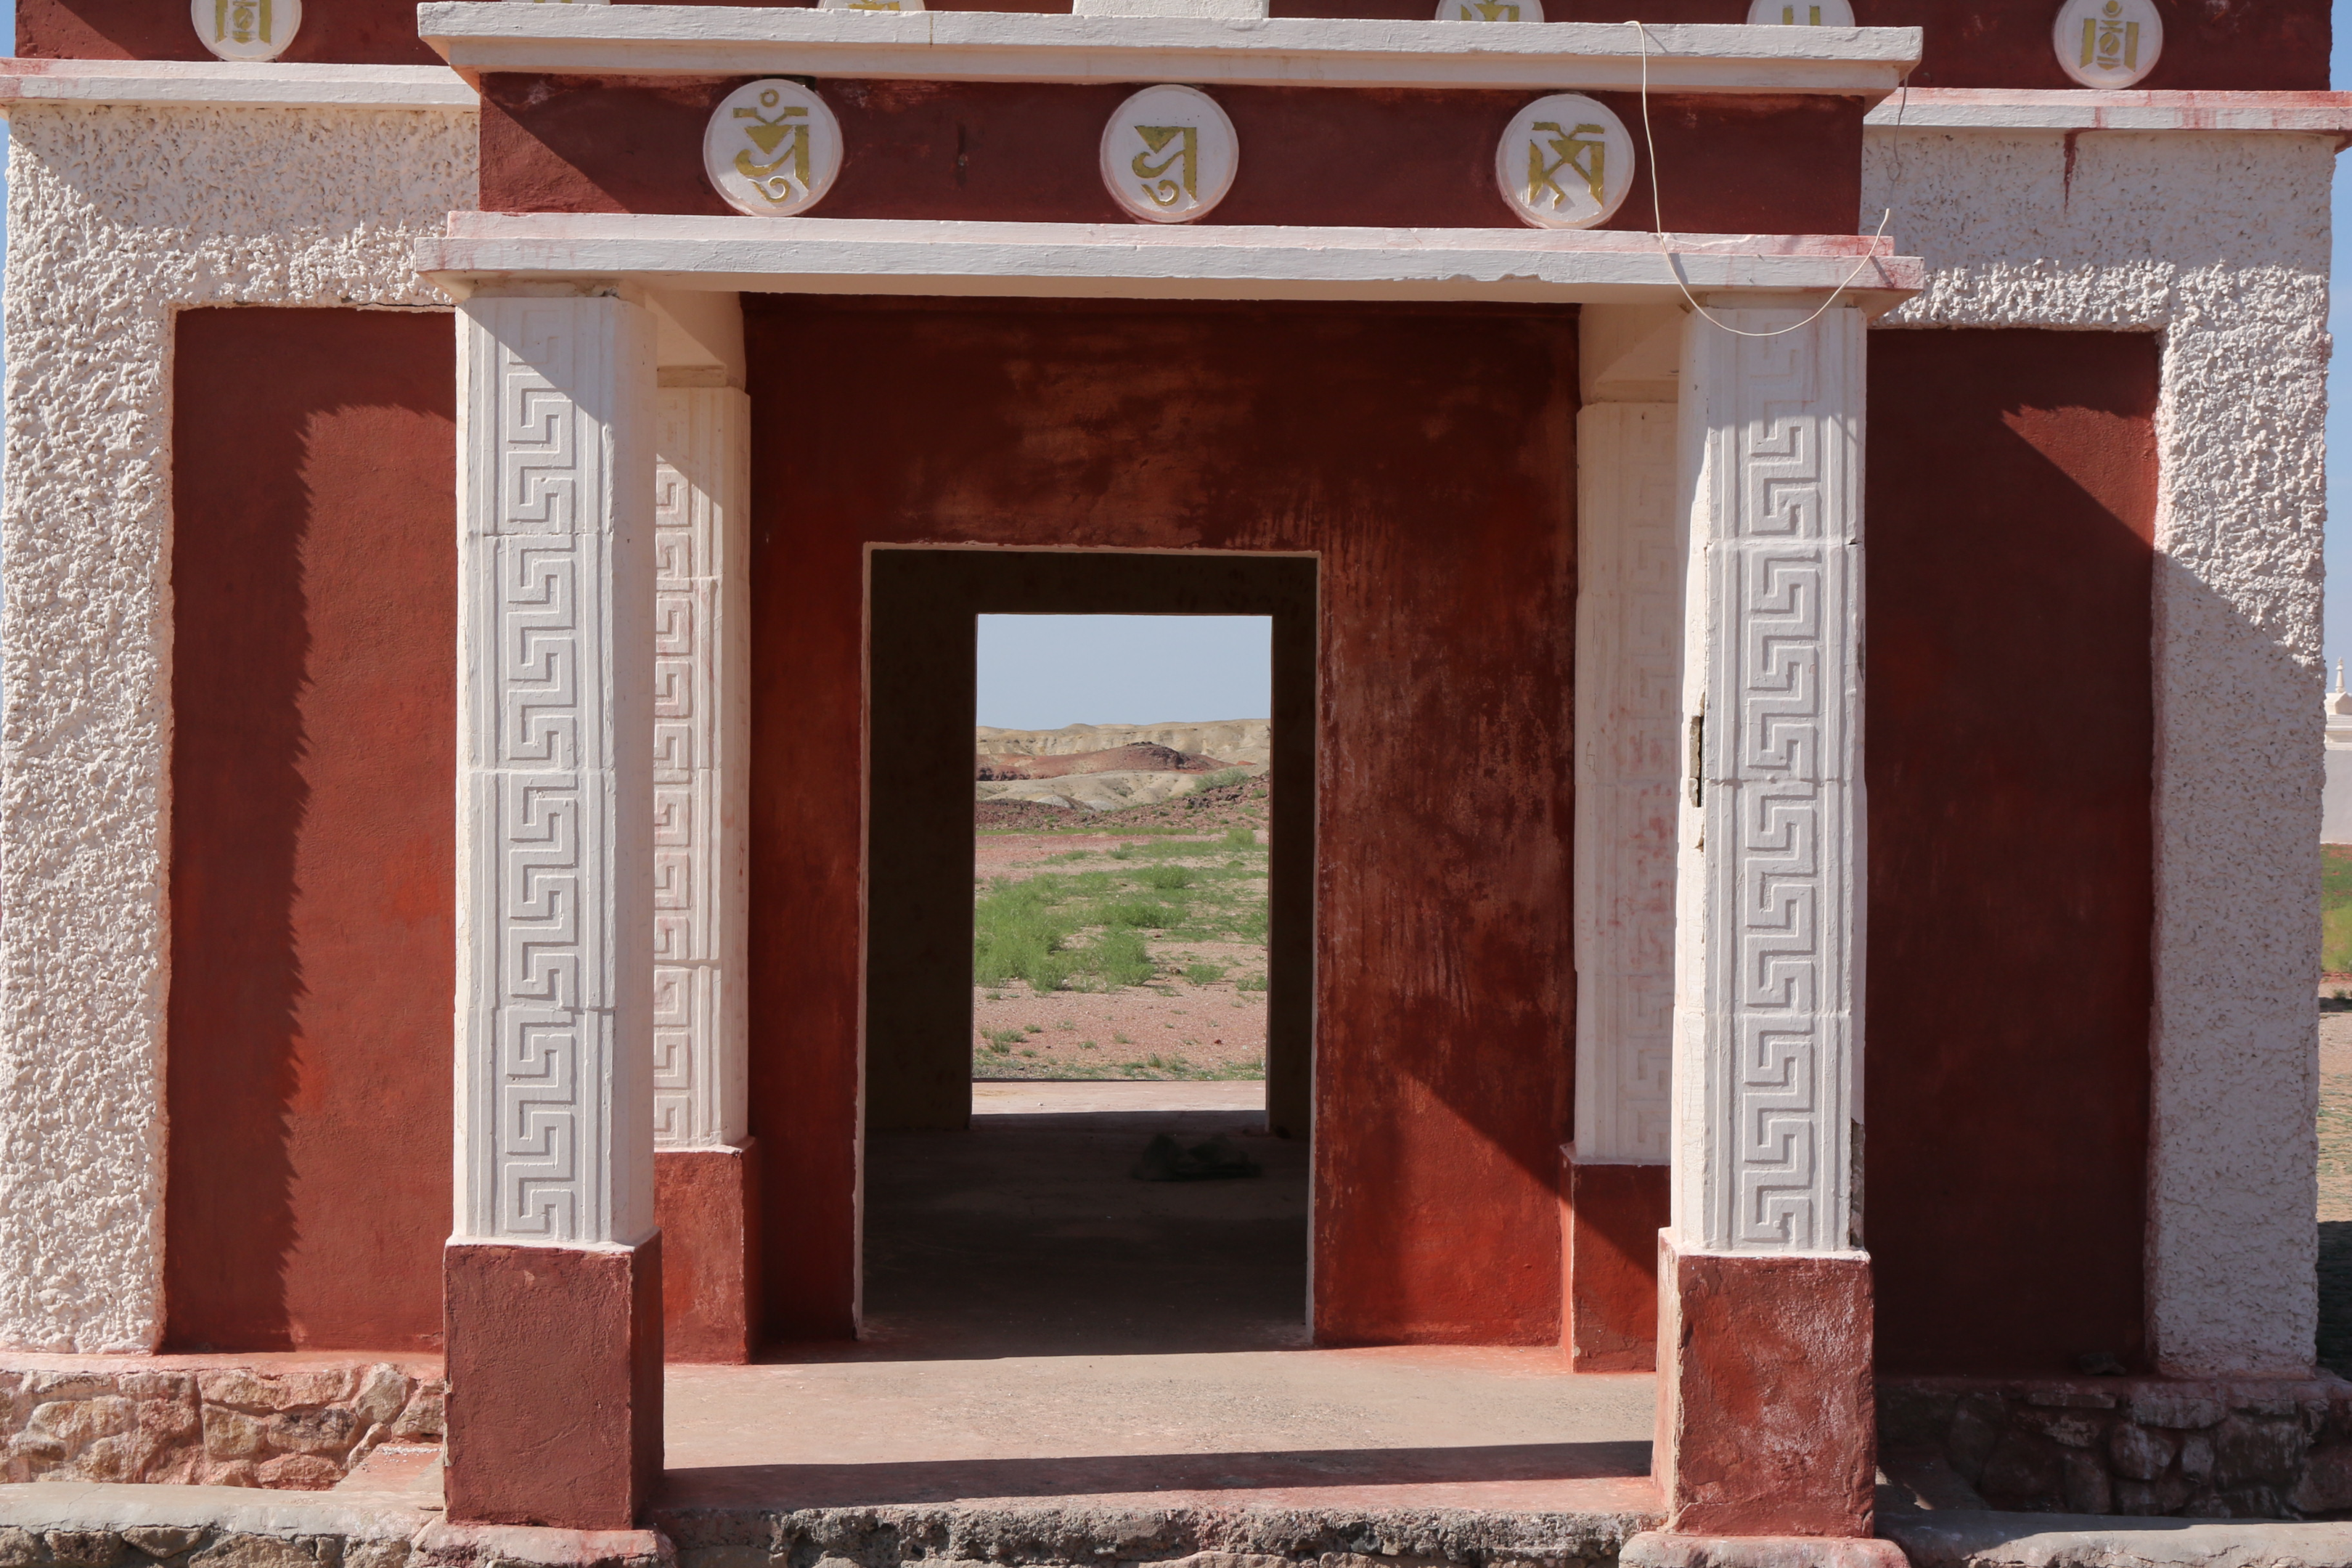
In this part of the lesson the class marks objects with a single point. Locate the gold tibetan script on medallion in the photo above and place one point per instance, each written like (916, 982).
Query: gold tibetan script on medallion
(782, 138)
(241, 22)
(1486, 11)
(1583, 152)
(2110, 43)
(1186, 158)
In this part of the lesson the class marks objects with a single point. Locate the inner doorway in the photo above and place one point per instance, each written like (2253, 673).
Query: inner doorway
(1046, 1223)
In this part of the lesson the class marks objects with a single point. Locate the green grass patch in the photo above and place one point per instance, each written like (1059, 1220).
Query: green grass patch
(2335, 907)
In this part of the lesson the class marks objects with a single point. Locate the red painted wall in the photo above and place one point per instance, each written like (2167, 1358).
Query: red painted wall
(314, 582)
(1763, 164)
(374, 31)
(2011, 515)
(1428, 456)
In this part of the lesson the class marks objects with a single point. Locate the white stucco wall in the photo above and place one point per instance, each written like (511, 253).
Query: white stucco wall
(116, 217)
(2220, 243)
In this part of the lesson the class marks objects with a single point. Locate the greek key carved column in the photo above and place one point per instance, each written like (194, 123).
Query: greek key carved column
(1762, 1264)
(553, 1277)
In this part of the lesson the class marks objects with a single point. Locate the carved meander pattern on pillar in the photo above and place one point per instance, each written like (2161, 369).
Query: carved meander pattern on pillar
(699, 853)
(1629, 660)
(1779, 495)
(546, 986)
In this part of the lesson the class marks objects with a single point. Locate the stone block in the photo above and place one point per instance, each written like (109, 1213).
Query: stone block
(2070, 1398)
(2137, 1497)
(2196, 1459)
(77, 1423)
(327, 1431)
(162, 1540)
(299, 1472)
(108, 1459)
(2258, 1451)
(228, 1473)
(166, 1421)
(383, 1393)
(2265, 1399)
(2139, 1453)
(2068, 1428)
(44, 1386)
(375, 1555)
(265, 1393)
(1911, 1418)
(145, 1385)
(19, 1548)
(253, 1552)
(1976, 1424)
(2327, 1484)
(84, 1548)
(424, 1420)
(2162, 1405)
(2088, 1488)
(231, 1434)
(2024, 1472)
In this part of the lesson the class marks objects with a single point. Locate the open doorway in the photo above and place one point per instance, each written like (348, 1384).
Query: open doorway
(1089, 1039)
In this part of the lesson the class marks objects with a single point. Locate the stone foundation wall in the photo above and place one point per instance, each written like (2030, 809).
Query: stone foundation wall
(302, 1427)
(2219, 1448)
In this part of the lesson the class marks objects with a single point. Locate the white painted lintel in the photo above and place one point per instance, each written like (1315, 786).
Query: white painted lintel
(877, 256)
(1005, 46)
(231, 84)
(2077, 109)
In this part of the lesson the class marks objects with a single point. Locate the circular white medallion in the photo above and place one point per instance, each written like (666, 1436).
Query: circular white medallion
(771, 148)
(245, 29)
(1490, 10)
(2107, 43)
(1168, 155)
(1565, 161)
(1800, 14)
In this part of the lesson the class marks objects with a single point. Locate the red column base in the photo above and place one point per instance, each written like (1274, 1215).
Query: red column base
(555, 1382)
(707, 1204)
(1609, 1216)
(1766, 1422)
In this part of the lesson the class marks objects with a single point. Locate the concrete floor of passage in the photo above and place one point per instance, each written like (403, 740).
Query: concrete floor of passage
(1039, 1326)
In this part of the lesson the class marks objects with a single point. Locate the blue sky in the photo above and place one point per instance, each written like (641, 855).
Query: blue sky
(1040, 672)
(1034, 671)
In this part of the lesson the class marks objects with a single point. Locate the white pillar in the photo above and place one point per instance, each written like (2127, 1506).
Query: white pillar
(1761, 1265)
(1629, 655)
(701, 725)
(1770, 893)
(555, 913)
(553, 1279)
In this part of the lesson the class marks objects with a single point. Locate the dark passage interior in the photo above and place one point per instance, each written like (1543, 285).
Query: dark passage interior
(1023, 1228)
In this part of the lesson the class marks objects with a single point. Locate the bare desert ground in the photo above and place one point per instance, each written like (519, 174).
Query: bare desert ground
(1123, 944)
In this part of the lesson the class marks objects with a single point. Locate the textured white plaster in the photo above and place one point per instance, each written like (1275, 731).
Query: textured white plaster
(2220, 242)
(116, 217)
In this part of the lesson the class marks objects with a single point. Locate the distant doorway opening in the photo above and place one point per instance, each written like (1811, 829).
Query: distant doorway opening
(1088, 1050)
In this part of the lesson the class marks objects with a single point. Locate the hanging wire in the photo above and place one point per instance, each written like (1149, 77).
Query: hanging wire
(1658, 218)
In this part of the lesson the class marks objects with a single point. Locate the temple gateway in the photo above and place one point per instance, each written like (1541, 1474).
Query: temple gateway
(496, 498)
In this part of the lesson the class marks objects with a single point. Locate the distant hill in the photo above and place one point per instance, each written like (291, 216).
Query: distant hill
(1108, 767)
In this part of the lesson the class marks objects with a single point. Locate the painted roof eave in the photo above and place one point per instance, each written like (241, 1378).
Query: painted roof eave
(231, 84)
(1004, 46)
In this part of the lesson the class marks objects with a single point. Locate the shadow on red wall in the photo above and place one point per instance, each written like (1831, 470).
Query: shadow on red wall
(314, 584)
(2009, 554)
